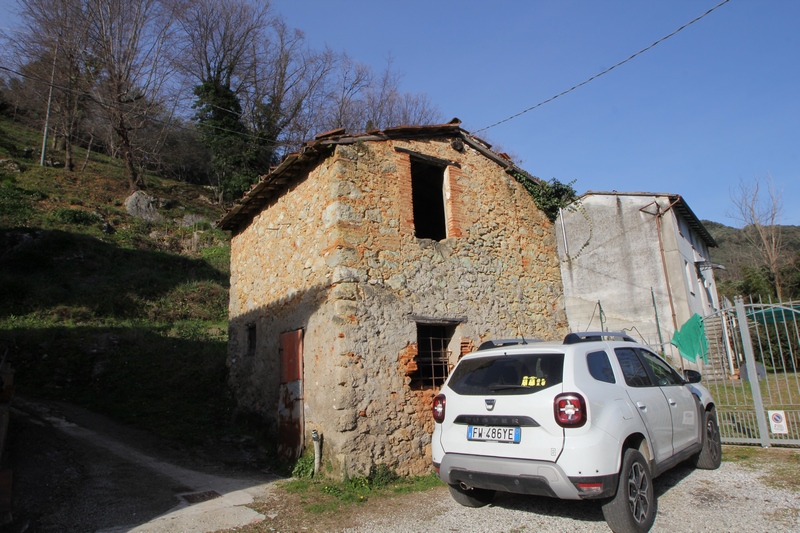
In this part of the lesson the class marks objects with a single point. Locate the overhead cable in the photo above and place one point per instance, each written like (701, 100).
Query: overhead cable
(606, 71)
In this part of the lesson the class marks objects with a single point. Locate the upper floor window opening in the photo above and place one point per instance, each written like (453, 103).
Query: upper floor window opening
(428, 198)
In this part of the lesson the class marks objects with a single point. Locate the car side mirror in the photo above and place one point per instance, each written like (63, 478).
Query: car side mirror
(692, 376)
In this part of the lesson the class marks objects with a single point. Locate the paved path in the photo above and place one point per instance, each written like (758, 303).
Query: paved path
(77, 471)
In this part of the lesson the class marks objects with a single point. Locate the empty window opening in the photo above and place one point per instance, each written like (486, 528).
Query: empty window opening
(251, 339)
(427, 195)
(433, 357)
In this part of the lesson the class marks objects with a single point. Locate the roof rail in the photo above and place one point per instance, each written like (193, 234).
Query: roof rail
(589, 336)
(497, 343)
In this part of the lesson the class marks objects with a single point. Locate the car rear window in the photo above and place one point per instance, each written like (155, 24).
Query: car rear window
(508, 374)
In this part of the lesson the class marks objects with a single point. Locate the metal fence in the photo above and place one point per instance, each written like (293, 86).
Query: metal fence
(752, 371)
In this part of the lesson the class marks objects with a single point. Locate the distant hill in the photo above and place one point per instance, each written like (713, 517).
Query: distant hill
(736, 254)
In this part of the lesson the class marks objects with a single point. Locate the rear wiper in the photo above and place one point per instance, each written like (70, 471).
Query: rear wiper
(508, 387)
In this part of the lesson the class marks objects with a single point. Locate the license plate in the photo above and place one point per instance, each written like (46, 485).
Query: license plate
(493, 433)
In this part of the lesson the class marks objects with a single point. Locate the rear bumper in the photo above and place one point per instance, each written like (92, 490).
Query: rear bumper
(522, 476)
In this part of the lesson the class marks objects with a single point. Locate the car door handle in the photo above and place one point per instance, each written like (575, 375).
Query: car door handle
(672, 402)
(641, 406)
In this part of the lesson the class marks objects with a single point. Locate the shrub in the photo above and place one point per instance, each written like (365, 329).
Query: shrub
(304, 467)
(76, 217)
(381, 476)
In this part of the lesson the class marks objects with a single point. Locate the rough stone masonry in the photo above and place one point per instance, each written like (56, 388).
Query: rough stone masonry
(334, 253)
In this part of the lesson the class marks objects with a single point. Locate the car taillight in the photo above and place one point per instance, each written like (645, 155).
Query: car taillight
(438, 408)
(570, 410)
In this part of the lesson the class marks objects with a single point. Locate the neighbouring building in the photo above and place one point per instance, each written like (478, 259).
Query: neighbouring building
(637, 262)
(362, 268)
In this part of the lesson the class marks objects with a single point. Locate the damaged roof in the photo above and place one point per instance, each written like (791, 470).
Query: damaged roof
(294, 166)
(676, 201)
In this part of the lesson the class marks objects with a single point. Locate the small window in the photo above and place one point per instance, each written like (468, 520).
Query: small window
(689, 276)
(251, 339)
(427, 196)
(433, 356)
(709, 295)
(632, 368)
(600, 367)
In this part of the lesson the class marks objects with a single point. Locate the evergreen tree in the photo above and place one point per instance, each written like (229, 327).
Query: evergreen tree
(219, 119)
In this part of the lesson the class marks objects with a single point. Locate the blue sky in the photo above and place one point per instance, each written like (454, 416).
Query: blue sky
(716, 104)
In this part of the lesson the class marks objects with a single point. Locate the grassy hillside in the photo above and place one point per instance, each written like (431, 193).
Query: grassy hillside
(126, 317)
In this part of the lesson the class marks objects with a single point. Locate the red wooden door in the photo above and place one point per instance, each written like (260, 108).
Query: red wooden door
(290, 403)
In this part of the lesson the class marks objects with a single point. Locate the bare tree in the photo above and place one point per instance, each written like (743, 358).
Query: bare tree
(50, 50)
(219, 39)
(759, 207)
(382, 99)
(257, 86)
(346, 105)
(386, 106)
(129, 42)
(287, 87)
(416, 108)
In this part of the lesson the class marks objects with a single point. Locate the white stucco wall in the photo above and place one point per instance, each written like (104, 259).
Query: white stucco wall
(610, 252)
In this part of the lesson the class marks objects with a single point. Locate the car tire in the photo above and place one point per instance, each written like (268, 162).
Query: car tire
(710, 456)
(633, 508)
(471, 497)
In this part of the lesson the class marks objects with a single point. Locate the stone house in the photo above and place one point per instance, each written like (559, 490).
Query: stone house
(362, 268)
(637, 262)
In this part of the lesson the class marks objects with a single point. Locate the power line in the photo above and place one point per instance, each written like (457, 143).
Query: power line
(606, 71)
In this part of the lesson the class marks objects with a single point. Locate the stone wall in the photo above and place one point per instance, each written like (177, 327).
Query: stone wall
(349, 269)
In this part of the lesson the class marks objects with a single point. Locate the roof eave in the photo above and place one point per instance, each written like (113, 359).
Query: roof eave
(253, 201)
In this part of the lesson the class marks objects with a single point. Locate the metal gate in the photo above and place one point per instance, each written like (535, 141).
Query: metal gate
(752, 371)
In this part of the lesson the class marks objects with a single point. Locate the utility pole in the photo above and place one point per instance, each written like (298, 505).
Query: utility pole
(49, 102)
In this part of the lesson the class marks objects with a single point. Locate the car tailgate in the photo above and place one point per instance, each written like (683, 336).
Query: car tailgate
(514, 426)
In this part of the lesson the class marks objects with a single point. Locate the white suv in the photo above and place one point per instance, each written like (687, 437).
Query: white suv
(596, 416)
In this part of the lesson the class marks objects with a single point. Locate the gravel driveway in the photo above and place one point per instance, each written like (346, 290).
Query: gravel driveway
(74, 471)
(731, 499)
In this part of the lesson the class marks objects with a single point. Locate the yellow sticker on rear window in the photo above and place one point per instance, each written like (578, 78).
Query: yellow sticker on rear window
(533, 381)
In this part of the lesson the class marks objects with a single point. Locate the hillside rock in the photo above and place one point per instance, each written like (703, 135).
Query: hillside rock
(9, 165)
(141, 205)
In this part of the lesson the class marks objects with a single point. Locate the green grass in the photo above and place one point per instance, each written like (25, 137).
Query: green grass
(327, 496)
(776, 390)
(122, 316)
(321, 495)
